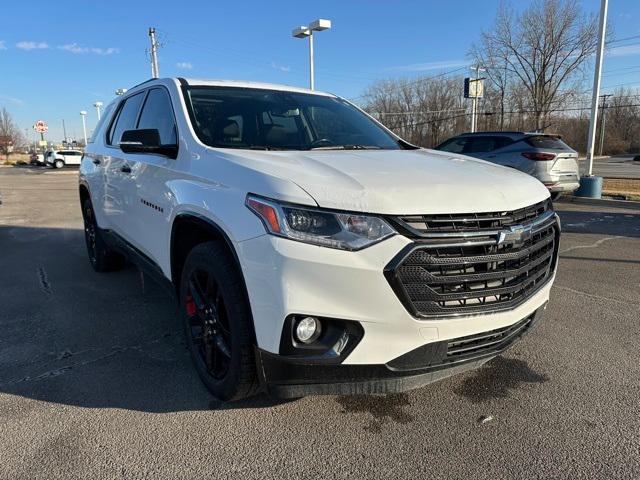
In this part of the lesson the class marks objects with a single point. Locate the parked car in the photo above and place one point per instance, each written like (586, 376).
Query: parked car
(36, 158)
(62, 158)
(544, 156)
(311, 250)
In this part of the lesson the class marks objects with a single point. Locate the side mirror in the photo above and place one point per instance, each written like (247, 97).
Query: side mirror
(146, 140)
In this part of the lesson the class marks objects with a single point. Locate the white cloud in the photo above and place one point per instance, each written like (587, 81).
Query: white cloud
(27, 45)
(14, 100)
(424, 67)
(184, 65)
(2, 45)
(624, 51)
(282, 68)
(80, 50)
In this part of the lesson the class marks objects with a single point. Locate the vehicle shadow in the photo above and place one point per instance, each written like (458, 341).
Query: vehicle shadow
(75, 337)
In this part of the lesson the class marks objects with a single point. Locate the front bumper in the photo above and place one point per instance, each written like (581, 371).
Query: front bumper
(285, 377)
(285, 277)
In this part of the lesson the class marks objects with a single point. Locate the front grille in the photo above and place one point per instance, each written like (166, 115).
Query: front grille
(417, 225)
(475, 270)
(473, 346)
(447, 353)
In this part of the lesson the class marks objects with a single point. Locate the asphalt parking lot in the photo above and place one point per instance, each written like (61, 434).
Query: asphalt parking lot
(95, 381)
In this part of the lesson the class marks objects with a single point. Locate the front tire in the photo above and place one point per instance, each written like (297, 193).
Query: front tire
(101, 257)
(218, 323)
(59, 164)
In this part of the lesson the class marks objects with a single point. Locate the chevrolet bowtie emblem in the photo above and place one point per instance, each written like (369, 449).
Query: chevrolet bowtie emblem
(516, 236)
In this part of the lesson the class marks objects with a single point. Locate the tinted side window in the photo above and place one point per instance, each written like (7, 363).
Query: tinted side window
(546, 141)
(157, 113)
(480, 144)
(455, 145)
(127, 117)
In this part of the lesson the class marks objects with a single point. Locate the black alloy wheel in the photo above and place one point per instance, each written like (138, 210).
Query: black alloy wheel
(208, 323)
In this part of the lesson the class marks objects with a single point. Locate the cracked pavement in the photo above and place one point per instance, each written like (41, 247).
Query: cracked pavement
(95, 380)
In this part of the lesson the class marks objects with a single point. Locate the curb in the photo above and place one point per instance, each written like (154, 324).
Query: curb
(603, 202)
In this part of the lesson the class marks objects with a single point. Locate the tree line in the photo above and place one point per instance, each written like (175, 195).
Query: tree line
(534, 68)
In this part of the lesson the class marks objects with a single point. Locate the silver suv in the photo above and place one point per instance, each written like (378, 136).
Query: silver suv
(544, 156)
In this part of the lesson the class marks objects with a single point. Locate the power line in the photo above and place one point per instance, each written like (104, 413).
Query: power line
(426, 122)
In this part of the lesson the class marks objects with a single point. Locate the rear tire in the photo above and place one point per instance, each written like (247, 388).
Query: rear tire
(102, 258)
(218, 323)
(59, 164)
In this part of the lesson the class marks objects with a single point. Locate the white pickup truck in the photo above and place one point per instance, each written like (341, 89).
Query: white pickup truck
(312, 251)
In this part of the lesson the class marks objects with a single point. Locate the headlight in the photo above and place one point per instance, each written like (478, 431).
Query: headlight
(344, 231)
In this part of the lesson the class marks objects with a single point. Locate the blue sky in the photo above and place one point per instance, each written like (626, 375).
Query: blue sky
(58, 57)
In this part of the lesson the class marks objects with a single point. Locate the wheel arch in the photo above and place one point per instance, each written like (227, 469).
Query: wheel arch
(189, 230)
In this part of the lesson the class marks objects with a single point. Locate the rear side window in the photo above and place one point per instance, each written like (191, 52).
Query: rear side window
(157, 113)
(485, 144)
(455, 145)
(126, 118)
(546, 141)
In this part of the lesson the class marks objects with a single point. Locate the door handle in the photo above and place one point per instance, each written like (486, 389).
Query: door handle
(96, 161)
(125, 169)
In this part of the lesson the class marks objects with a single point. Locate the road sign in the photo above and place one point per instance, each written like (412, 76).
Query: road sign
(40, 126)
(473, 88)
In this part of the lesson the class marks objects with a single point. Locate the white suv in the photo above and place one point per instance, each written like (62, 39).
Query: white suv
(61, 158)
(311, 250)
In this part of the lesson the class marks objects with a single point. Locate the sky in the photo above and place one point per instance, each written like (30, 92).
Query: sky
(59, 57)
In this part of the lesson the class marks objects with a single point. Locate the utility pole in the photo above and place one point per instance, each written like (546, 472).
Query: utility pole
(155, 72)
(64, 131)
(604, 119)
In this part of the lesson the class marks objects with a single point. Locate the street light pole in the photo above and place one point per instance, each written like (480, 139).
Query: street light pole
(307, 31)
(590, 185)
(596, 86)
(311, 74)
(83, 114)
(98, 105)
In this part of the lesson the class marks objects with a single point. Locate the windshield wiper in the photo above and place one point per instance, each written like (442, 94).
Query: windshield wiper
(347, 147)
(264, 147)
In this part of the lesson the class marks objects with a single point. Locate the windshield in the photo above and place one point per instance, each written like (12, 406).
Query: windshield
(230, 117)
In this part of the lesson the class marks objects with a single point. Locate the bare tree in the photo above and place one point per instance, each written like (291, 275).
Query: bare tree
(10, 135)
(421, 111)
(542, 48)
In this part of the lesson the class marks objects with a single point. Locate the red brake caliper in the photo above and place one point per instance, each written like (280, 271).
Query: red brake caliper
(190, 306)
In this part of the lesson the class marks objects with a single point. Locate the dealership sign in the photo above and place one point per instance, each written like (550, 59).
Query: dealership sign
(40, 126)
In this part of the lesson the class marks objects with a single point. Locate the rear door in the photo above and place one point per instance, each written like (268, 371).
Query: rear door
(486, 147)
(119, 184)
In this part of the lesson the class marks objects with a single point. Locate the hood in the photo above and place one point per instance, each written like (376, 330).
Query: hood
(399, 181)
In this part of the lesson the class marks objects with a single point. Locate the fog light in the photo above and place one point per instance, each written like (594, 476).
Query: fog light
(308, 329)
